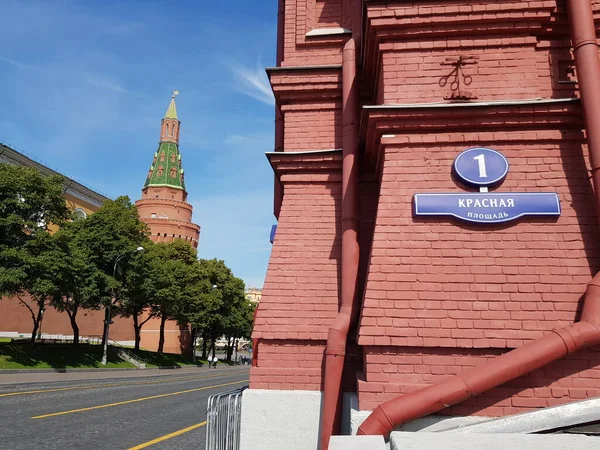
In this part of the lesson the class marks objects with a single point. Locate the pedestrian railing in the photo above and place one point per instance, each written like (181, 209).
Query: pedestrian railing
(223, 420)
(127, 355)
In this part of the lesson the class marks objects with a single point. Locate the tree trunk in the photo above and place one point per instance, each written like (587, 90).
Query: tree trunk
(104, 326)
(35, 319)
(204, 339)
(72, 319)
(161, 339)
(229, 348)
(194, 345)
(212, 345)
(137, 328)
(36, 325)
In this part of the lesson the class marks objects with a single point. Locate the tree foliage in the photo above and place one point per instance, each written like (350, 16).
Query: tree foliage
(220, 308)
(91, 247)
(75, 268)
(29, 255)
(171, 271)
(28, 203)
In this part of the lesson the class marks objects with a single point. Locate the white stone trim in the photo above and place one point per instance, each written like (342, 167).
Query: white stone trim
(539, 420)
(278, 420)
(327, 32)
(428, 423)
(427, 441)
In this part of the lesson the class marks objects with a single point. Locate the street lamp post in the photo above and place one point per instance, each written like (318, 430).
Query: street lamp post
(108, 316)
(42, 311)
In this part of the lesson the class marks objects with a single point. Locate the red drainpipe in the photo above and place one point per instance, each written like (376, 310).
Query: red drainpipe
(254, 342)
(335, 352)
(557, 344)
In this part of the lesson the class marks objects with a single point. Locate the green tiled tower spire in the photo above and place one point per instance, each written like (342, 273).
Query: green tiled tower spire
(166, 169)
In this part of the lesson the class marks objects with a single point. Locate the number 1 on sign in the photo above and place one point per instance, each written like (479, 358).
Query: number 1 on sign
(481, 161)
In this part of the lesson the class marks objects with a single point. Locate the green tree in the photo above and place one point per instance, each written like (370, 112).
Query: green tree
(173, 274)
(81, 284)
(29, 255)
(42, 265)
(137, 293)
(93, 244)
(112, 230)
(219, 306)
(236, 314)
(205, 298)
(28, 203)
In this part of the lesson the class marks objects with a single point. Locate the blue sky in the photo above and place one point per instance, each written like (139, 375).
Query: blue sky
(84, 85)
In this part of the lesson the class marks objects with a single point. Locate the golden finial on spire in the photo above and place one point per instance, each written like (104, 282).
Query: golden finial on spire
(172, 111)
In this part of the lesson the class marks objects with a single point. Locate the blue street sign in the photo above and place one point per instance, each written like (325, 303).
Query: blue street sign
(481, 166)
(273, 231)
(488, 207)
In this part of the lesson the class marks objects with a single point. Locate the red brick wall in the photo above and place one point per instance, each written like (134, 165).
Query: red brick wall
(289, 364)
(412, 73)
(440, 296)
(437, 283)
(328, 13)
(301, 290)
(314, 127)
(303, 16)
(172, 215)
(394, 371)
(300, 295)
(521, 47)
(15, 317)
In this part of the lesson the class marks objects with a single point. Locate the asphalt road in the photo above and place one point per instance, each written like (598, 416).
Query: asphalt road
(110, 412)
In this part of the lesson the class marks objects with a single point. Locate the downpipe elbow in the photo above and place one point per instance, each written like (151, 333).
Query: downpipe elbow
(377, 423)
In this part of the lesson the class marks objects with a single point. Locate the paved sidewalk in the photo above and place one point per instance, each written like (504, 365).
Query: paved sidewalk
(17, 378)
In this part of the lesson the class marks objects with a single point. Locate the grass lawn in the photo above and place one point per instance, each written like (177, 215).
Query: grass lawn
(5, 339)
(56, 356)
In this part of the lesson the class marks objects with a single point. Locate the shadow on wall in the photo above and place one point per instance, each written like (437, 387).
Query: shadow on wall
(582, 195)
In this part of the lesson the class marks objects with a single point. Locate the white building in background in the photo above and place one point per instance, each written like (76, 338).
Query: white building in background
(254, 294)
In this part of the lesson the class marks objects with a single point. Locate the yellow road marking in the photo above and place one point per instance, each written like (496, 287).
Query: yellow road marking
(167, 436)
(133, 383)
(72, 411)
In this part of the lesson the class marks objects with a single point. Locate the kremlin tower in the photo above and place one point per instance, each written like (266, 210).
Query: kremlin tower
(163, 205)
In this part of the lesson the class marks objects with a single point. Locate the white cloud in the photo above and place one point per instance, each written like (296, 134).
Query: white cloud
(16, 64)
(107, 83)
(262, 140)
(253, 82)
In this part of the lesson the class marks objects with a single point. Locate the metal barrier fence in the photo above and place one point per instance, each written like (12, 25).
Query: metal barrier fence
(223, 420)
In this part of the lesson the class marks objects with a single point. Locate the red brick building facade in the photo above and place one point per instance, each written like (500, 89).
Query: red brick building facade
(434, 296)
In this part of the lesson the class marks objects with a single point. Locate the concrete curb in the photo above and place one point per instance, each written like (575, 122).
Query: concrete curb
(86, 370)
